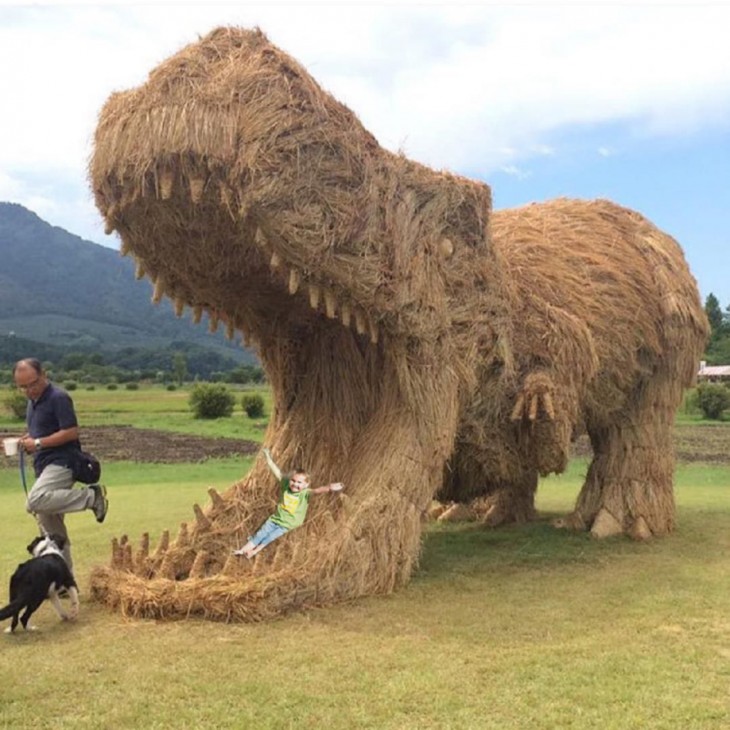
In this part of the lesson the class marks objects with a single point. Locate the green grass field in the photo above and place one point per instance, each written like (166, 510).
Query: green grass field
(522, 627)
(155, 407)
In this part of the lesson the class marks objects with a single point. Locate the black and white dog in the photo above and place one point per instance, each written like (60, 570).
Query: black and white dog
(41, 577)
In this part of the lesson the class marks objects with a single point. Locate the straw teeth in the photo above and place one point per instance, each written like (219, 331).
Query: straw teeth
(345, 314)
(360, 322)
(109, 225)
(196, 189)
(275, 261)
(213, 322)
(159, 291)
(294, 279)
(330, 304)
(314, 294)
(167, 180)
(179, 307)
(197, 314)
(202, 522)
(373, 331)
(139, 271)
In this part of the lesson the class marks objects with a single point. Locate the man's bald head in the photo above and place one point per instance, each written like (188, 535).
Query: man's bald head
(28, 364)
(29, 377)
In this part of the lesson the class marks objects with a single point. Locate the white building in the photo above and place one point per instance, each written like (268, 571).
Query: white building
(713, 373)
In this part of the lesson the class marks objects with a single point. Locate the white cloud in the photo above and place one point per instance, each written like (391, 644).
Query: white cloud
(515, 171)
(462, 87)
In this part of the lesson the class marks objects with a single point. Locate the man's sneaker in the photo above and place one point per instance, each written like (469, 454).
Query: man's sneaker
(101, 503)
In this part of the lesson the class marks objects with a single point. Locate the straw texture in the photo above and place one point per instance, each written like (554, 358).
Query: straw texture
(411, 347)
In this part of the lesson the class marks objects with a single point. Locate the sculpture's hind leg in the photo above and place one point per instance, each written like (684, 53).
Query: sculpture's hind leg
(493, 499)
(507, 503)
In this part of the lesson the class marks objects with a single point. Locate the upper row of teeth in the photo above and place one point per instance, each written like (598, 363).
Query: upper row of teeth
(316, 296)
(332, 308)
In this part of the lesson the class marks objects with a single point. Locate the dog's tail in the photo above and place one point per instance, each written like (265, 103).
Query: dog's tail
(11, 609)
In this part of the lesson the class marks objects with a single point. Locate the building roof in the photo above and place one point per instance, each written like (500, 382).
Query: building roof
(714, 371)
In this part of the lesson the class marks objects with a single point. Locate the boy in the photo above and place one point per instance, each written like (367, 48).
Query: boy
(291, 510)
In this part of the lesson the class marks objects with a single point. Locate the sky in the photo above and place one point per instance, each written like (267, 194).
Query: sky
(626, 101)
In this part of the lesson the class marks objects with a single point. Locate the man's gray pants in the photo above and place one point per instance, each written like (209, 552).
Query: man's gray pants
(52, 496)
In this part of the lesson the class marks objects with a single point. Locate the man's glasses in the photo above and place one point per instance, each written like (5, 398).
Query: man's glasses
(29, 385)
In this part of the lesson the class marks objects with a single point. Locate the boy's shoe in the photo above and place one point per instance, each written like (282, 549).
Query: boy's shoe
(101, 503)
(239, 552)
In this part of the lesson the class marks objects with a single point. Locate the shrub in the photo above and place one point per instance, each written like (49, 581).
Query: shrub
(16, 403)
(172, 386)
(713, 399)
(211, 400)
(70, 385)
(90, 387)
(253, 404)
(689, 401)
(132, 386)
(111, 386)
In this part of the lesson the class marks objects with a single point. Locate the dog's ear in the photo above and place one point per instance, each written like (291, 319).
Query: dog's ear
(32, 545)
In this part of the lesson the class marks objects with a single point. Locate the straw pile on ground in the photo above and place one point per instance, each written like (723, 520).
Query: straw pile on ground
(402, 344)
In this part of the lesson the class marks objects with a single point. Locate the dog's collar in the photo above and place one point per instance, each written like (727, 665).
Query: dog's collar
(50, 549)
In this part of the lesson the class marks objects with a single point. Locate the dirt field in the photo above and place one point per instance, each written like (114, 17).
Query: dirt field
(125, 443)
(710, 444)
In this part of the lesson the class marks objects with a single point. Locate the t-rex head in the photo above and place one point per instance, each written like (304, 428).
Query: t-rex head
(244, 190)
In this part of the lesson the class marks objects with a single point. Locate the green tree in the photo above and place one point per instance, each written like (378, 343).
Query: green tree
(179, 367)
(714, 314)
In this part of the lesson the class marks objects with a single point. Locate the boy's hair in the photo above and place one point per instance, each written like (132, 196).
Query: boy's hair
(299, 470)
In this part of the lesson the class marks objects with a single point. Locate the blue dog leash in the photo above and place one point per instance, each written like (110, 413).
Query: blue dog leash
(22, 472)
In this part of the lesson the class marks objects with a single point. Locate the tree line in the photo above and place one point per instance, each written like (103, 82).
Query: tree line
(718, 346)
(176, 363)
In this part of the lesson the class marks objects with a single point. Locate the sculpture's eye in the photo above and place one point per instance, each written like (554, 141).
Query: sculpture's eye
(446, 247)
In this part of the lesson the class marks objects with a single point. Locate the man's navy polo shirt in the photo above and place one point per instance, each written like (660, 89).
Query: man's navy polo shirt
(53, 411)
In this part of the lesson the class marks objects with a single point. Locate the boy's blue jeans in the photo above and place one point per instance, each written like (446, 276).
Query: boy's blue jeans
(268, 532)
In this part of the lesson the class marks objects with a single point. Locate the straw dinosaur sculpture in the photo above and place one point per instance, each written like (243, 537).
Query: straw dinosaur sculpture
(416, 344)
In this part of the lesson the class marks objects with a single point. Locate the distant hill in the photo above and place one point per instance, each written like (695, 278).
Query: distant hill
(62, 291)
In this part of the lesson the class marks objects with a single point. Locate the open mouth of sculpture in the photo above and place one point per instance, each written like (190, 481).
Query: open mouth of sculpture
(321, 349)
(232, 270)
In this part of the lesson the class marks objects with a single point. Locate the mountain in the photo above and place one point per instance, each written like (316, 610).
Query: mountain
(62, 291)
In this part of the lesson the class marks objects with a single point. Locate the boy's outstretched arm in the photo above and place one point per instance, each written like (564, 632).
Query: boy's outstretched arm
(274, 468)
(334, 487)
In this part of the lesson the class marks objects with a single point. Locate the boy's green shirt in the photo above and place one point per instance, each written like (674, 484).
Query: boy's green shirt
(292, 507)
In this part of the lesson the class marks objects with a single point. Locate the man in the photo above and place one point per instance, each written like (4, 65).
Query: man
(53, 439)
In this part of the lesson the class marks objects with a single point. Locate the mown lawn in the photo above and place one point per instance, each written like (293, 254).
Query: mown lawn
(523, 627)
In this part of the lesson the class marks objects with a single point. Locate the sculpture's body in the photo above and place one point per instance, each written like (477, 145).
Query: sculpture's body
(402, 340)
